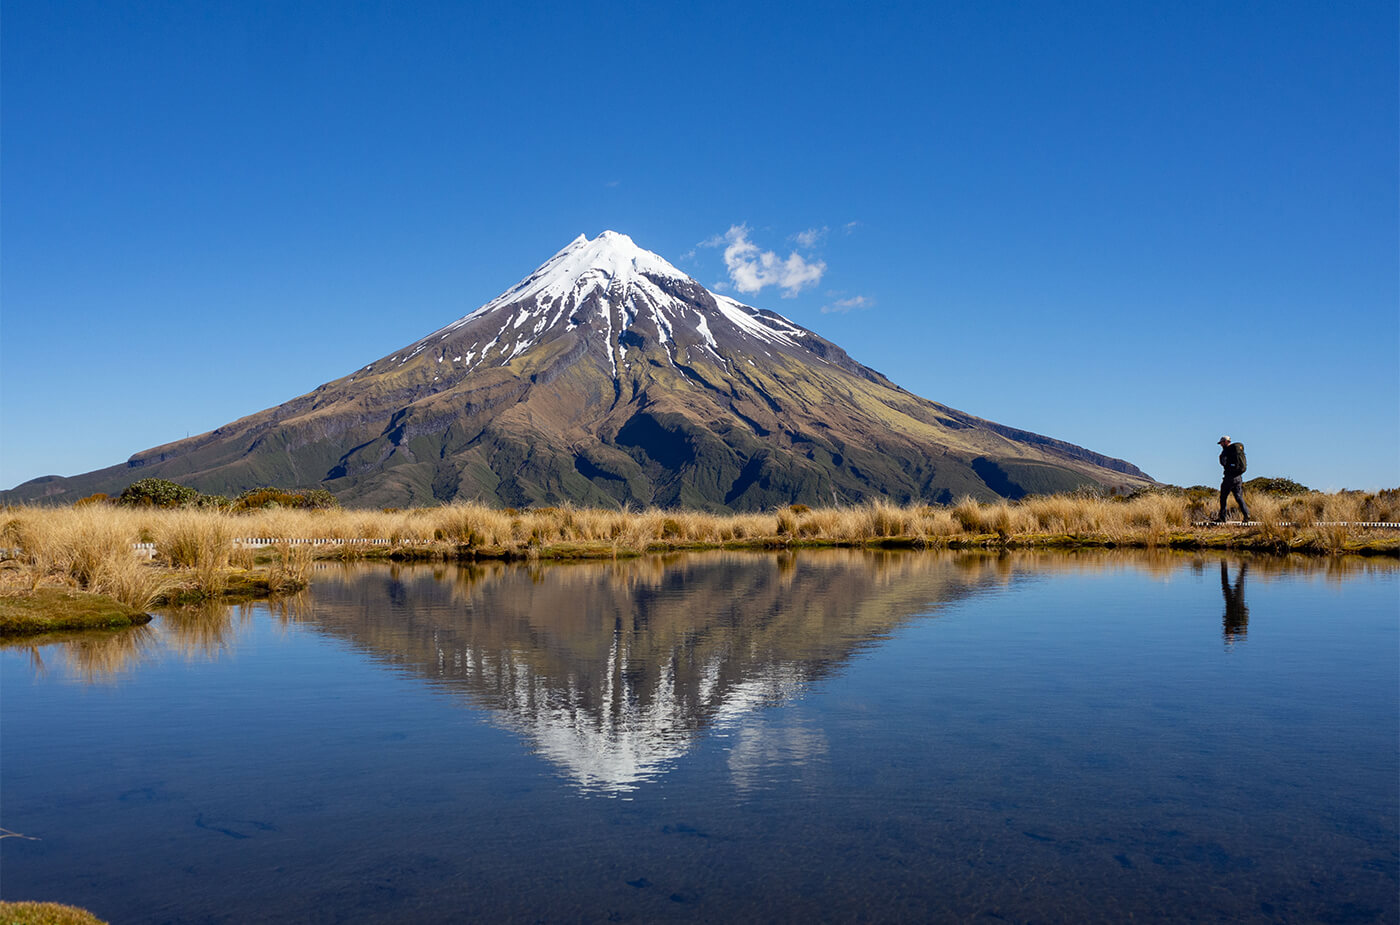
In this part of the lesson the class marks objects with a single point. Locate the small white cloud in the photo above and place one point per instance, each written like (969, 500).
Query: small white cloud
(851, 226)
(845, 305)
(811, 237)
(752, 269)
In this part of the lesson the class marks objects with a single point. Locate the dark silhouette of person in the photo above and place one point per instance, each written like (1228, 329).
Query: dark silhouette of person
(1236, 619)
(1232, 481)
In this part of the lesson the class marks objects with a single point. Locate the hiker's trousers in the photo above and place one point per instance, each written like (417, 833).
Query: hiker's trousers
(1233, 485)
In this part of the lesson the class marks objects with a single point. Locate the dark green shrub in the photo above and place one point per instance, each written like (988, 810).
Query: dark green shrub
(256, 499)
(157, 493)
(1276, 486)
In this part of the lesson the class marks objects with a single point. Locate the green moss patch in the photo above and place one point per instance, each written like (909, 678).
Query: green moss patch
(47, 610)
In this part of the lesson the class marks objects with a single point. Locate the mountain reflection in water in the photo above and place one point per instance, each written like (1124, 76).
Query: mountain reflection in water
(205, 631)
(611, 670)
(801, 609)
(961, 737)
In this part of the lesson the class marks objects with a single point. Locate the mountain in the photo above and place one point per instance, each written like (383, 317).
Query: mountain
(608, 376)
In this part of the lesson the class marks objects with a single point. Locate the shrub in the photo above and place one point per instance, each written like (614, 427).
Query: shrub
(256, 499)
(157, 493)
(1276, 486)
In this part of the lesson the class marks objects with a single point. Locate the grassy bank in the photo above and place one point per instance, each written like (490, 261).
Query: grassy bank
(201, 551)
(49, 610)
(30, 913)
(66, 568)
(81, 566)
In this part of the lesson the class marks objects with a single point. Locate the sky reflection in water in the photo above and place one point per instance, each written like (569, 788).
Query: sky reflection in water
(708, 737)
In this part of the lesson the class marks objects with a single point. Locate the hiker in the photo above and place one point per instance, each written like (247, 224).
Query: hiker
(1233, 461)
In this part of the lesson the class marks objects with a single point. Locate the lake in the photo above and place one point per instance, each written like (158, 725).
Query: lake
(716, 737)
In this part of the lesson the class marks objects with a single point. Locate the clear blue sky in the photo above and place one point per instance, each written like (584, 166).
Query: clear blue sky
(1134, 226)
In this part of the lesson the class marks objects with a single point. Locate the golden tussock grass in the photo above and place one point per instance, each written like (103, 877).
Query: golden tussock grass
(196, 549)
(87, 547)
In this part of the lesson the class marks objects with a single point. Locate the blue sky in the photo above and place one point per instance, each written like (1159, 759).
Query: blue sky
(1132, 226)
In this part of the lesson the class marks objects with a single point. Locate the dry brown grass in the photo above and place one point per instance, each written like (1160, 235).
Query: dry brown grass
(199, 544)
(291, 569)
(90, 546)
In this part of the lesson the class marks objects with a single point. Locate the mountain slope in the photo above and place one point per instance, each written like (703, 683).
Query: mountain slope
(608, 376)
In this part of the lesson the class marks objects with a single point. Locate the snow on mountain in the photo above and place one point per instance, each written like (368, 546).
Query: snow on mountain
(612, 281)
(609, 262)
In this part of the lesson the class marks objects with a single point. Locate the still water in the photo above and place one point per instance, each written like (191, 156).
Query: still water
(823, 736)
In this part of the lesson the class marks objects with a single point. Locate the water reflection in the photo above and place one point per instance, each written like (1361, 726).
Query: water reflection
(1236, 617)
(610, 670)
(93, 656)
(1078, 748)
(198, 632)
(205, 630)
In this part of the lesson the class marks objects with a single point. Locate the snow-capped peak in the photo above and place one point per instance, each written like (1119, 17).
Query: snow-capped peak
(610, 258)
(611, 254)
(609, 284)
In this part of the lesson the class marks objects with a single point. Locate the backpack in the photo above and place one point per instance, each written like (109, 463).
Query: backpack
(1239, 457)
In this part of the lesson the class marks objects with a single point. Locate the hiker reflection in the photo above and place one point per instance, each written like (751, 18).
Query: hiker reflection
(1236, 619)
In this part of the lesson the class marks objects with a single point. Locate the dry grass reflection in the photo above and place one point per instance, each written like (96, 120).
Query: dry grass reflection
(92, 656)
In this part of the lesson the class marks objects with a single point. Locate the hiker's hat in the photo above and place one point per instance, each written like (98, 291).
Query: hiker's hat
(1224, 439)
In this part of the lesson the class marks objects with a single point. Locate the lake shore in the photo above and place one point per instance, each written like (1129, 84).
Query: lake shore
(1357, 542)
(51, 610)
(95, 564)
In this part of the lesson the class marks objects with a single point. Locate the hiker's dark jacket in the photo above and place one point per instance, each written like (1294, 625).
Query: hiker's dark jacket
(1230, 460)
